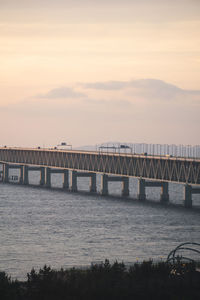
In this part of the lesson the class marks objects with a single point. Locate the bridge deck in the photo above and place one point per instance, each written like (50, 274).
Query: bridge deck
(164, 168)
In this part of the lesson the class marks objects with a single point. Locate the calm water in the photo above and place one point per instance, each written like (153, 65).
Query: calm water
(61, 229)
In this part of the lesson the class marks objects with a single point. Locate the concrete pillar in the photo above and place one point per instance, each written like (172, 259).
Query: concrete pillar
(125, 187)
(21, 176)
(73, 181)
(42, 176)
(188, 196)
(1, 174)
(141, 189)
(164, 196)
(48, 177)
(104, 185)
(25, 179)
(66, 179)
(5, 173)
(93, 184)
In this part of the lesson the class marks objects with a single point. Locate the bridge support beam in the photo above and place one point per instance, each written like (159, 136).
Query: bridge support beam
(93, 183)
(73, 187)
(164, 196)
(42, 176)
(6, 168)
(65, 179)
(188, 191)
(49, 171)
(48, 177)
(75, 175)
(125, 186)
(187, 196)
(105, 179)
(141, 189)
(21, 176)
(104, 185)
(25, 179)
(142, 184)
(5, 173)
(26, 169)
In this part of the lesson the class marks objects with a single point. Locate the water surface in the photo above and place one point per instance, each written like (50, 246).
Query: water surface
(40, 226)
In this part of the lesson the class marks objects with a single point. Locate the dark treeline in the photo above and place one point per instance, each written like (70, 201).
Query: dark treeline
(106, 281)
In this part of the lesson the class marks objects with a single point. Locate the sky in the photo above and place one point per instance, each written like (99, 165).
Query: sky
(93, 71)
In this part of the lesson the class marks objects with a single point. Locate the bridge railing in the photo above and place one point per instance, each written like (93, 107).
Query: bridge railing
(186, 151)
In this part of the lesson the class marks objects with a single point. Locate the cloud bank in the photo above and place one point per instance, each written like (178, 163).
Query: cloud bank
(62, 92)
(147, 88)
(143, 110)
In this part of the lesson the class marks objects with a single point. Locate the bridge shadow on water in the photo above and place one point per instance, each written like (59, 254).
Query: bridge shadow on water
(114, 197)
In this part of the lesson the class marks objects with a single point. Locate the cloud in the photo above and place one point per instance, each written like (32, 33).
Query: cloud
(112, 97)
(112, 110)
(61, 93)
(109, 85)
(147, 88)
(139, 83)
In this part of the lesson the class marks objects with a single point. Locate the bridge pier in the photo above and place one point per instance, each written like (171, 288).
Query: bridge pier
(142, 184)
(26, 169)
(42, 176)
(105, 179)
(21, 176)
(5, 172)
(188, 191)
(75, 175)
(93, 183)
(73, 187)
(141, 189)
(65, 179)
(46, 176)
(104, 185)
(164, 196)
(125, 187)
(25, 179)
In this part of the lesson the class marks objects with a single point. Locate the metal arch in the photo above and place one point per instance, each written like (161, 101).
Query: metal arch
(173, 256)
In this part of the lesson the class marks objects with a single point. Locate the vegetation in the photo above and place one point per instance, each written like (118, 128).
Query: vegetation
(106, 281)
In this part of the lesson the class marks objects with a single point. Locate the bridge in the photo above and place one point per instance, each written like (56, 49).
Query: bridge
(151, 170)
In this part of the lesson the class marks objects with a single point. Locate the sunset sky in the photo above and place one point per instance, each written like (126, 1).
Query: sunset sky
(93, 71)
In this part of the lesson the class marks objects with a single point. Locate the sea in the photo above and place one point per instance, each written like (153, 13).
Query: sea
(41, 226)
